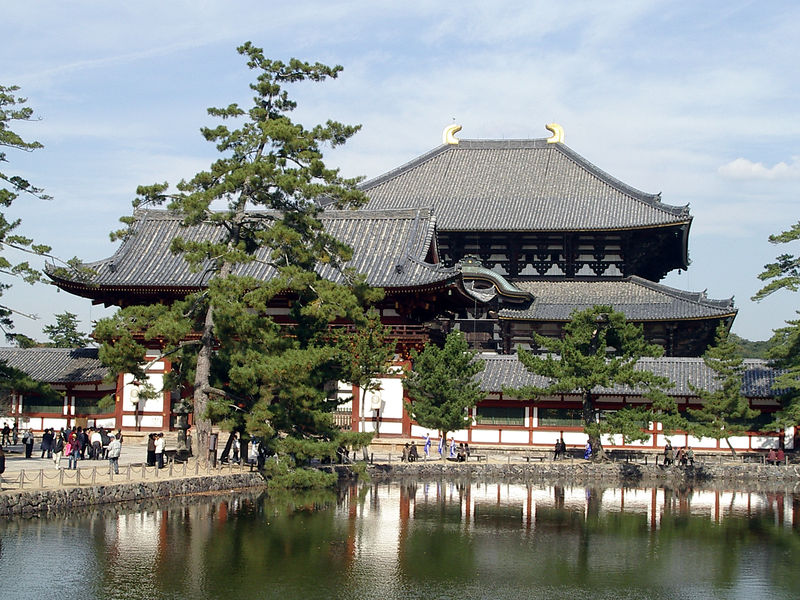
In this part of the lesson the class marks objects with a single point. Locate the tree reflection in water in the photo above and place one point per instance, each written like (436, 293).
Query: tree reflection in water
(418, 539)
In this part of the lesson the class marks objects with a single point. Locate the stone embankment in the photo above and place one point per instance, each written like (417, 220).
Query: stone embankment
(745, 476)
(58, 500)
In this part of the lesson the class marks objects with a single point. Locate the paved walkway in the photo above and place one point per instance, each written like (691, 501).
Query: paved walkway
(38, 473)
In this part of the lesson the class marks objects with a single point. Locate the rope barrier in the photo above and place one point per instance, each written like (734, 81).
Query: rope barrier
(70, 477)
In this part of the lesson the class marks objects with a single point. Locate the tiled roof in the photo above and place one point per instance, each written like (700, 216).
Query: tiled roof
(637, 298)
(518, 185)
(506, 371)
(389, 247)
(56, 365)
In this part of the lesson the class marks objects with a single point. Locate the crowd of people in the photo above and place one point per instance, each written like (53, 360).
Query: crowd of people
(75, 444)
(683, 456)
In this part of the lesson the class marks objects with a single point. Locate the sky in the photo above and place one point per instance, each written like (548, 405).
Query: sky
(699, 101)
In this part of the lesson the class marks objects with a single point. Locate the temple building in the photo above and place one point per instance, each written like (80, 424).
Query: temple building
(497, 238)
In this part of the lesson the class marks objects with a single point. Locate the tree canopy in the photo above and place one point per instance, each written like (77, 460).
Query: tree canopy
(784, 346)
(600, 349)
(12, 243)
(65, 334)
(784, 273)
(442, 386)
(246, 366)
(725, 410)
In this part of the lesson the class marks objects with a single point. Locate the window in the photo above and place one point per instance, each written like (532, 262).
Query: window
(36, 404)
(560, 417)
(88, 406)
(500, 415)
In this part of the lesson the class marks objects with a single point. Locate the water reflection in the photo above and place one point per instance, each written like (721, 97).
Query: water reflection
(417, 539)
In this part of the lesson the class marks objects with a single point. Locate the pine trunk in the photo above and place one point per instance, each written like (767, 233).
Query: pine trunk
(598, 453)
(728, 441)
(201, 383)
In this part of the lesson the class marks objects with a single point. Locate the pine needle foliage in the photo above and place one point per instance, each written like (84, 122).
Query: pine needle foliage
(725, 410)
(246, 369)
(442, 385)
(600, 349)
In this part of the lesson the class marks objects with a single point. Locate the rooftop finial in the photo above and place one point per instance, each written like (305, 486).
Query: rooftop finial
(449, 134)
(558, 133)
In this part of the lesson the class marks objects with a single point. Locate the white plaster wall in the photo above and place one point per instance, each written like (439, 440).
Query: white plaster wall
(107, 423)
(706, 443)
(547, 437)
(154, 405)
(766, 442)
(514, 437)
(575, 438)
(737, 442)
(487, 436)
(54, 423)
(392, 396)
(392, 427)
(144, 421)
(417, 431)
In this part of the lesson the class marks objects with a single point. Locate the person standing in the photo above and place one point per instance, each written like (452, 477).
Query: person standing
(159, 450)
(151, 449)
(237, 446)
(74, 452)
(83, 437)
(58, 449)
(15, 433)
(97, 445)
(47, 443)
(6, 434)
(27, 441)
(426, 449)
(114, 450)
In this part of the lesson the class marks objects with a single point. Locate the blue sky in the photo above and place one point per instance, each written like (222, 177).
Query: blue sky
(697, 100)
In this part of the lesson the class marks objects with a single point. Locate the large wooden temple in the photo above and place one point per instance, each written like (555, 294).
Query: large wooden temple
(497, 238)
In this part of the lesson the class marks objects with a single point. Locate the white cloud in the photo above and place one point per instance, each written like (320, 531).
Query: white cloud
(742, 168)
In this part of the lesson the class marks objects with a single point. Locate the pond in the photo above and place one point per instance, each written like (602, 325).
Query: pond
(430, 540)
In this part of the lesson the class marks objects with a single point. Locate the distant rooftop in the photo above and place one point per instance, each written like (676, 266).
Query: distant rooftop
(506, 370)
(56, 365)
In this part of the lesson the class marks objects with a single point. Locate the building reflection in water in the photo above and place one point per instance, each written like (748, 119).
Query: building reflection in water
(400, 539)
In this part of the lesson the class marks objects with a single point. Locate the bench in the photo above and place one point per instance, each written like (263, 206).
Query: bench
(540, 456)
(477, 457)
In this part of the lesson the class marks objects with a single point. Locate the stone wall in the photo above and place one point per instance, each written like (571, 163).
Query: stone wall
(56, 500)
(744, 476)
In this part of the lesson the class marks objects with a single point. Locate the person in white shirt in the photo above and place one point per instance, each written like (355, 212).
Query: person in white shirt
(114, 450)
(160, 450)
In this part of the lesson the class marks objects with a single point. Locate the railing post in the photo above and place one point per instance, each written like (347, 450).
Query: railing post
(94, 475)
(129, 472)
(78, 476)
(41, 478)
(21, 478)
(61, 477)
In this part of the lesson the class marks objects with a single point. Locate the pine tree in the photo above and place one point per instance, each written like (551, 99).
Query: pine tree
(784, 353)
(600, 349)
(65, 334)
(725, 411)
(247, 369)
(442, 385)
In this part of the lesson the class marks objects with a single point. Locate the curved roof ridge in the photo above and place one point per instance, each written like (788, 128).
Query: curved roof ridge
(653, 200)
(699, 297)
(397, 171)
